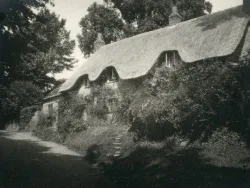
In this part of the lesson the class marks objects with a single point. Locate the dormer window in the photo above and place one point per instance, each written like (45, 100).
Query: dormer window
(86, 82)
(112, 104)
(112, 75)
(171, 58)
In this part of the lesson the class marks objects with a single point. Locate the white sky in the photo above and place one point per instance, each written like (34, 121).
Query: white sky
(74, 10)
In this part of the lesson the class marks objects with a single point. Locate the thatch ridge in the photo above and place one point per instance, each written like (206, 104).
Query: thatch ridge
(54, 93)
(209, 36)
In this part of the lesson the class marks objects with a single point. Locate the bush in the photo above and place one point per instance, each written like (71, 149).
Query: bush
(17, 96)
(98, 141)
(26, 115)
(44, 121)
(193, 100)
(101, 95)
(70, 114)
(226, 148)
(47, 133)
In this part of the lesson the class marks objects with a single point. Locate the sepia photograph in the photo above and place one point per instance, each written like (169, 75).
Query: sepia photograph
(124, 93)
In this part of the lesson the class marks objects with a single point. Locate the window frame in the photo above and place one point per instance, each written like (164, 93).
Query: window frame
(86, 82)
(112, 104)
(112, 76)
(170, 58)
(50, 109)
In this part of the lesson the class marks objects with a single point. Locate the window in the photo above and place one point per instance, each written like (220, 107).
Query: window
(86, 82)
(95, 101)
(50, 109)
(171, 59)
(112, 104)
(112, 75)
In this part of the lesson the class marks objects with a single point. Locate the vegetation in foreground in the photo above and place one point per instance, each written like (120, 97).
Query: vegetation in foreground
(222, 161)
(209, 142)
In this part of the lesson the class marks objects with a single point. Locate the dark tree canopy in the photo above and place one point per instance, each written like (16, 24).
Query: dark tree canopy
(34, 45)
(49, 50)
(125, 18)
(138, 10)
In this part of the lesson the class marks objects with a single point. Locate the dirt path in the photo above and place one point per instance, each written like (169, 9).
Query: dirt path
(29, 162)
(53, 148)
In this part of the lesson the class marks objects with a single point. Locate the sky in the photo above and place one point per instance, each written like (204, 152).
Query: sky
(74, 10)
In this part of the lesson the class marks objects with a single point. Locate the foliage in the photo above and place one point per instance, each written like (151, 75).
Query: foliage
(127, 90)
(226, 148)
(17, 96)
(100, 94)
(34, 45)
(48, 52)
(121, 19)
(158, 11)
(97, 141)
(44, 122)
(26, 115)
(192, 99)
(47, 133)
(99, 20)
(70, 115)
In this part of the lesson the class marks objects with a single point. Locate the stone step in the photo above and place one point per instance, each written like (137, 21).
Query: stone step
(117, 143)
(118, 147)
(116, 155)
(117, 138)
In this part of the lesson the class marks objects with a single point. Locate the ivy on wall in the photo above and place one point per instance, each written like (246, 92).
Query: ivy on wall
(26, 115)
(193, 100)
(70, 113)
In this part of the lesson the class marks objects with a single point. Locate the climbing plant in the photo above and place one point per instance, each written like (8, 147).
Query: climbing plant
(193, 100)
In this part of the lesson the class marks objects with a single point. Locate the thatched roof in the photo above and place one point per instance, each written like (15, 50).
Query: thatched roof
(209, 36)
(54, 93)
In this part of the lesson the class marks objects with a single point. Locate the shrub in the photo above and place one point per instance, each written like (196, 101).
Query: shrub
(26, 115)
(101, 95)
(226, 148)
(192, 100)
(97, 141)
(70, 114)
(44, 121)
(17, 96)
(47, 133)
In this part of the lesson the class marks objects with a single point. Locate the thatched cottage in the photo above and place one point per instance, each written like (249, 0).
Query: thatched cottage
(126, 63)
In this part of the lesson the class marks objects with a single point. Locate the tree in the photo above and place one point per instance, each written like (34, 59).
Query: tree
(17, 96)
(135, 16)
(139, 10)
(99, 19)
(49, 50)
(33, 46)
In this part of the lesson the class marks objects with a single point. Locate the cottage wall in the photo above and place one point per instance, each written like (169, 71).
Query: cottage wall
(53, 114)
(118, 87)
